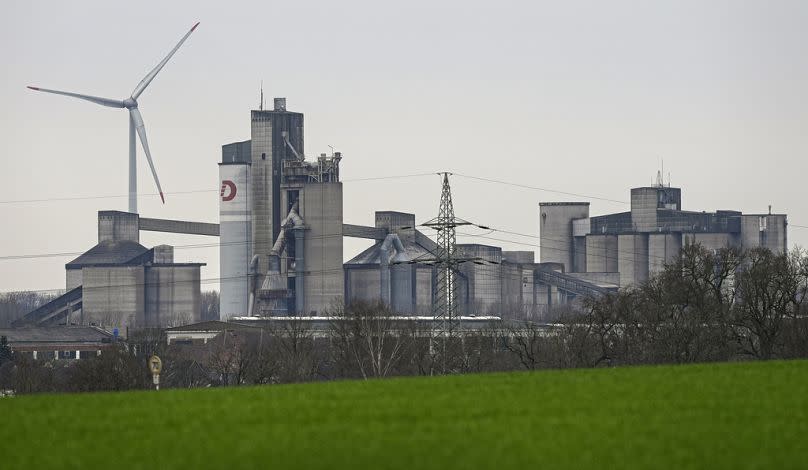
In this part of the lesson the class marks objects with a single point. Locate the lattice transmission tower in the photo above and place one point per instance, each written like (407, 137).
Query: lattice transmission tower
(446, 261)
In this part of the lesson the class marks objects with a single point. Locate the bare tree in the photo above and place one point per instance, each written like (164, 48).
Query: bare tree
(771, 287)
(233, 355)
(369, 336)
(5, 351)
(292, 351)
(15, 305)
(524, 339)
(31, 376)
(115, 369)
(209, 306)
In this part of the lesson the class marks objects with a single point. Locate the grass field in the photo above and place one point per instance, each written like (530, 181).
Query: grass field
(743, 415)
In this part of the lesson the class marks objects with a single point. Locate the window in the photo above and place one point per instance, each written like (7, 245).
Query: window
(67, 354)
(87, 354)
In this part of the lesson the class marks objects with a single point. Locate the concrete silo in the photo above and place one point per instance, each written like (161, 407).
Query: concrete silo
(235, 229)
(555, 231)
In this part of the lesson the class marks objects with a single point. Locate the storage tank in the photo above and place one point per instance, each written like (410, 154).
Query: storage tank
(556, 243)
(235, 237)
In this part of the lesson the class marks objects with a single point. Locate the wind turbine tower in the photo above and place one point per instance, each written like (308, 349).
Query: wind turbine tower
(136, 125)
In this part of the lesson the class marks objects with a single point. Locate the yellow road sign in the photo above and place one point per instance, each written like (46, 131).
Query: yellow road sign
(155, 365)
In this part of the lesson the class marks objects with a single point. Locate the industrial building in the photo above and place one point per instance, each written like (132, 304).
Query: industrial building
(121, 284)
(502, 283)
(281, 248)
(628, 247)
(58, 342)
(281, 221)
(281, 229)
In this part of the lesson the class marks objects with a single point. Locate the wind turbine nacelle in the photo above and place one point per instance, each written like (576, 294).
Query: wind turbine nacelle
(130, 103)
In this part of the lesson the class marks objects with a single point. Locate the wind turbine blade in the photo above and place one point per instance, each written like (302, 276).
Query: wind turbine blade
(141, 132)
(148, 78)
(94, 99)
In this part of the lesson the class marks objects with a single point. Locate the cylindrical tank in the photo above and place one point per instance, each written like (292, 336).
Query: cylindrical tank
(235, 232)
(555, 231)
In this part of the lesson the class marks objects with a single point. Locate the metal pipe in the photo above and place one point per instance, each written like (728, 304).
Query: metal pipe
(390, 250)
(299, 270)
(253, 283)
(274, 283)
(132, 167)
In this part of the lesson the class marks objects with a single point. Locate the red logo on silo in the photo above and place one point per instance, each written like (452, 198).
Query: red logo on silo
(228, 187)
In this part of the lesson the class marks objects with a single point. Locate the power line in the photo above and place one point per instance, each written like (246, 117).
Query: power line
(190, 246)
(537, 188)
(110, 196)
(193, 191)
(209, 280)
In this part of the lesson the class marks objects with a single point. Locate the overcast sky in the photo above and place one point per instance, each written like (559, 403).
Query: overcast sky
(578, 96)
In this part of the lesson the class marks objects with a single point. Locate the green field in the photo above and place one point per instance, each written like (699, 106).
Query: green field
(742, 415)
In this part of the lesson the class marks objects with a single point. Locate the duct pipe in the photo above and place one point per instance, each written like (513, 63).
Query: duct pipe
(253, 279)
(391, 246)
(274, 284)
(299, 270)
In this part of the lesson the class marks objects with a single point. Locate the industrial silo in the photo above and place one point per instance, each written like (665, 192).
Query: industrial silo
(235, 229)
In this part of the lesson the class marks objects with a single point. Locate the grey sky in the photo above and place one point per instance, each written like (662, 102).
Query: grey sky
(578, 96)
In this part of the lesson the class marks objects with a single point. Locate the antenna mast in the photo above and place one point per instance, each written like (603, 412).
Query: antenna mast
(261, 104)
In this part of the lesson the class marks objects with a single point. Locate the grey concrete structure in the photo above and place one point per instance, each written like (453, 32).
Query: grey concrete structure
(504, 283)
(481, 285)
(638, 243)
(114, 296)
(179, 226)
(361, 231)
(294, 207)
(276, 136)
(555, 231)
(665, 248)
(645, 203)
(323, 281)
(601, 253)
(172, 294)
(120, 284)
(632, 258)
(383, 273)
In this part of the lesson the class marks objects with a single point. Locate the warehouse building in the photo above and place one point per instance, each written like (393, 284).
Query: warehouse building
(58, 342)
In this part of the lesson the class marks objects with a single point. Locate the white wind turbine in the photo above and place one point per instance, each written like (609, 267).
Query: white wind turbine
(135, 122)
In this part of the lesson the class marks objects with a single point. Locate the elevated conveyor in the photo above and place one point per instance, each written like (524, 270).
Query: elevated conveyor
(53, 312)
(570, 285)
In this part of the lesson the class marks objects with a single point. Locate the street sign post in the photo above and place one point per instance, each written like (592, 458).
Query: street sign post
(155, 366)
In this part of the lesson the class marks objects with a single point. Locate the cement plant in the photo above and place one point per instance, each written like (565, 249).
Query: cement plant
(282, 260)
(281, 231)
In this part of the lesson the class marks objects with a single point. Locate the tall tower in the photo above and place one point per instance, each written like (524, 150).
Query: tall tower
(235, 229)
(277, 135)
(290, 222)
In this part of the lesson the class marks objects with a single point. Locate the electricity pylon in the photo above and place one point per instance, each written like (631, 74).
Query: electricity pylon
(446, 261)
